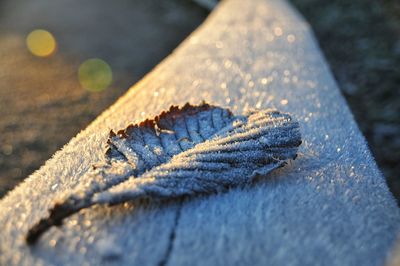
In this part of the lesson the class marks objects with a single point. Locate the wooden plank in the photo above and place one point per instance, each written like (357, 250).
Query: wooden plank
(330, 206)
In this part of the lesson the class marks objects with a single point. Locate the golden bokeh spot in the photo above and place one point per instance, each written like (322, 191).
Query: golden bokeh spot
(95, 75)
(41, 43)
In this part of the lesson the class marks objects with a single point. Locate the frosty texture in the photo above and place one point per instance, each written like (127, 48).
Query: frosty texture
(182, 152)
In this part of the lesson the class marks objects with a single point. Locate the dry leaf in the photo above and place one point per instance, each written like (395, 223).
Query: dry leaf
(185, 151)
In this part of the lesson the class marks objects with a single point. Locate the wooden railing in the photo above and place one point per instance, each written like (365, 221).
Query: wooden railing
(331, 206)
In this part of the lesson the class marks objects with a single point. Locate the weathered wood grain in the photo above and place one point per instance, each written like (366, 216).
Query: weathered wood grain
(329, 207)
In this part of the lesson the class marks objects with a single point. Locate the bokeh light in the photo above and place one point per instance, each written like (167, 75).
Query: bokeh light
(41, 43)
(95, 75)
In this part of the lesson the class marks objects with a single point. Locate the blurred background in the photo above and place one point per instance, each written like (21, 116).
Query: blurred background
(63, 62)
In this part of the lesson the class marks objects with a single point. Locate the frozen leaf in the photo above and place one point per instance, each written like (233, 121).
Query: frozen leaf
(182, 152)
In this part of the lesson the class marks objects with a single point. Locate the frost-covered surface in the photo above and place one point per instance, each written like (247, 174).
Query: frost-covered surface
(330, 206)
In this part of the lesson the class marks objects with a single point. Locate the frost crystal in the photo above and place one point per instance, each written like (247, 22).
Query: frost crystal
(182, 152)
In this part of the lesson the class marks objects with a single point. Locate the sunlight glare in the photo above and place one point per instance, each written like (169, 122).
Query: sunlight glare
(41, 43)
(95, 75)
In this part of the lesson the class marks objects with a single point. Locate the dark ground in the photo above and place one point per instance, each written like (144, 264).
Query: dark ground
(42, 104)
